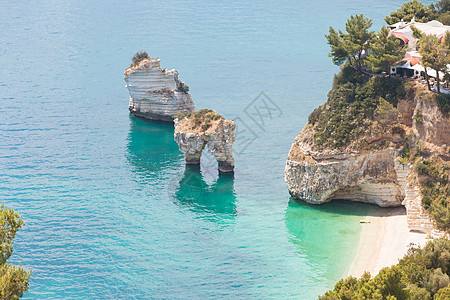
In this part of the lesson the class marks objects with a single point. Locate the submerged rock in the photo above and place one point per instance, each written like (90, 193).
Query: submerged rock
(377, 165)
(155, 93)
(195, 131)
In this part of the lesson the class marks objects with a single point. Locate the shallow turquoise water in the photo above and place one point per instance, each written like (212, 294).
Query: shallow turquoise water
(111, 210)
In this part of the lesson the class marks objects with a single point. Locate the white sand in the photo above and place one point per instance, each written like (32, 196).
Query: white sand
(383, 241)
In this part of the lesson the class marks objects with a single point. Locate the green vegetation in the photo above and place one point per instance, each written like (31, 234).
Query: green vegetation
(201, 118)
(443, 101)
(421, 274)
(436, 190)
(138, 57)
(384, 51)
(435, 55)
(13, 279)
(409, 10)
(351, 105)
(439, 11)
(349, 47)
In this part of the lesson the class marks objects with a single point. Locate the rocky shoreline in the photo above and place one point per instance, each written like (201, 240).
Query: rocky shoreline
(376, 173)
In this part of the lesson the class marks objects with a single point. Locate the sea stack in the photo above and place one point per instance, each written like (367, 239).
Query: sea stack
(155, 93)
(386, 162)
(206, 128)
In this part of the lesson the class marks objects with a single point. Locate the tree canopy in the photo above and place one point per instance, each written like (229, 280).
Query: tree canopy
(13, 279)
(421, 274)
(435, 54)
(385, 51)
(350, 46)
(439, 11)
(409, 10)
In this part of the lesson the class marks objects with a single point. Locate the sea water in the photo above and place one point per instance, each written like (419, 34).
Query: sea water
(111, 211)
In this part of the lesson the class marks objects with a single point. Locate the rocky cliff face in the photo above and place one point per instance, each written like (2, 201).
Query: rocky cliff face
(206, 128)
(155, 93)
(374, 171)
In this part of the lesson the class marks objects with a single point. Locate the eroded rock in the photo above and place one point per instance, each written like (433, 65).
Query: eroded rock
(206, 128)
(375, 172)
(155, 93)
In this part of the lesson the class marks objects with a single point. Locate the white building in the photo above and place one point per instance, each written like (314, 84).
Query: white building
(411, 65)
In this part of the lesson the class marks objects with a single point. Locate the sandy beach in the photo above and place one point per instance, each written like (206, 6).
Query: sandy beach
(383, 241)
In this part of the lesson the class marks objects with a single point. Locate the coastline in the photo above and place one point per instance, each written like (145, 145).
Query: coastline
(383, 241)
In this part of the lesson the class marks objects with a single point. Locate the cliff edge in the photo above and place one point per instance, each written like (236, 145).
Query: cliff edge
(366, 144)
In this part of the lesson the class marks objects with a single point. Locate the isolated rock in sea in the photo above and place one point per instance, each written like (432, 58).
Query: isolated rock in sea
(206, 128)
(371, 168)
(155, 93)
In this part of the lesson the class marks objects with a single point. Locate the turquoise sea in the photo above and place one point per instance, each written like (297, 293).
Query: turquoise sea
(111, 211)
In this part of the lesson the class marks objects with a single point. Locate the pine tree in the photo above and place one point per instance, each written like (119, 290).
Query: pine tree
(385, 51)
(350, 46)
(435, 55)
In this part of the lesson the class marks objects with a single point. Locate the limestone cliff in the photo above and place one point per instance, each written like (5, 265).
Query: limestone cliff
(376, 164)
(206, 128)
(155, 93)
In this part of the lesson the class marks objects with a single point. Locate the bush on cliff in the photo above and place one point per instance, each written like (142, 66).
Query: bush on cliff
(138, 57)
(436, 190)
(351, 105)
(421, 274)
(443, 101)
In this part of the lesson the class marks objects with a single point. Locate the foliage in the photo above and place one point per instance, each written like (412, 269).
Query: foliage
(435, 55)
(443, 102)
(409, 10)
(443, 11)
(351, 45)
(436, 190)
(421, 274)
(138, 57)
(202, 118)
(13, 279)
(385, 50)
(351, 103)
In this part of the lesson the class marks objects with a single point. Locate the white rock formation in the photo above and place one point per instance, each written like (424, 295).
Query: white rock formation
(218, 136)
(156, 93)
(373, 176)
(368, 177)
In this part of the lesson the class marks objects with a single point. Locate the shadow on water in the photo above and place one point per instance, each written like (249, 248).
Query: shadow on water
(327, 234)
(213, 201)
(151, 147)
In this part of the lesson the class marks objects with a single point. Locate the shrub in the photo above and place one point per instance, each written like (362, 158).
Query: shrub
(443, 102)
(436, 190)
(421, 274)
(351, 103)
(138, 57)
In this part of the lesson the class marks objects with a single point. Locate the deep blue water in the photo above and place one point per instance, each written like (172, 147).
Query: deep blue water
(111, 211)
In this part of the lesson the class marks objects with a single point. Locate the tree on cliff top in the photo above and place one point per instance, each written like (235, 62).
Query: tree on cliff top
(13, 279)
(435, 55)
(409, 10)
(350, 46)
(385, 51)
(439, 11)
(138, 57)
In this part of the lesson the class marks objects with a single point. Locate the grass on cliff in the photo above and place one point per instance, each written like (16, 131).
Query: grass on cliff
(201, 119)
(421, 274)
(436, 190)
(351, 104)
